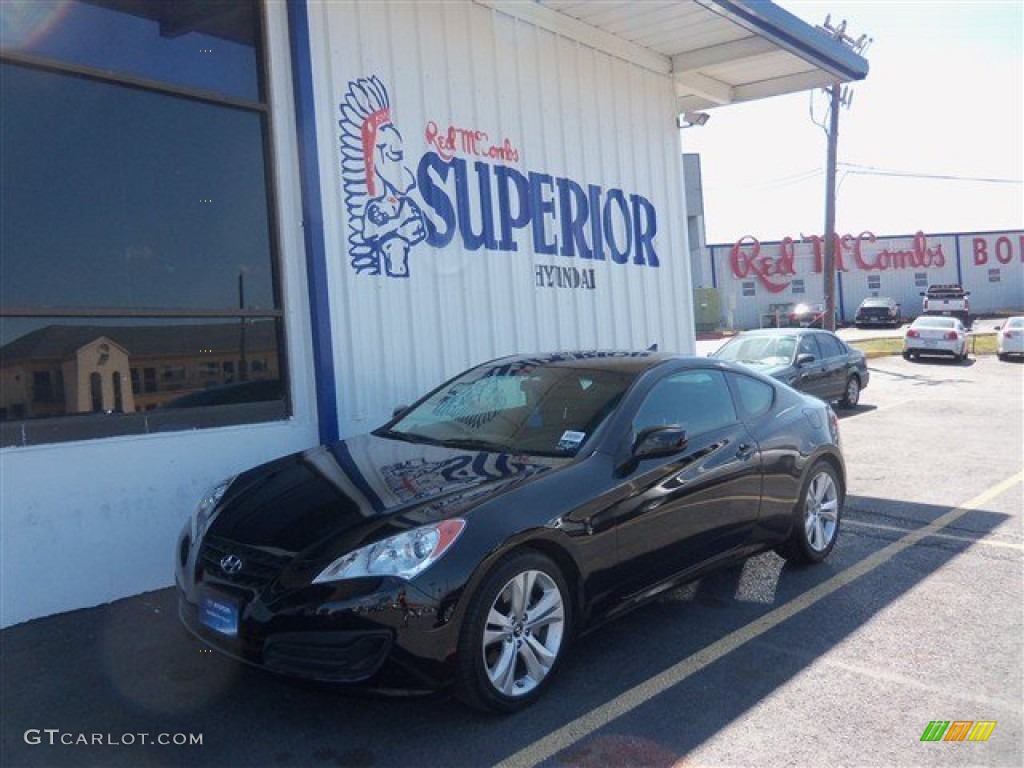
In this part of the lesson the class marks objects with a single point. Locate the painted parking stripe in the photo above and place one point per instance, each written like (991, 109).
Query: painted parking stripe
(626, 702)
(948, 536)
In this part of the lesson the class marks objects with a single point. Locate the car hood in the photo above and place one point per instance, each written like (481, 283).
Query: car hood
(362, 489)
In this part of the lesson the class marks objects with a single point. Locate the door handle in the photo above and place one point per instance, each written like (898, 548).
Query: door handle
(744, 451)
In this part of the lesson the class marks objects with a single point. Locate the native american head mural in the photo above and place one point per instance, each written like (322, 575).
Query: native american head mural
(384, 221)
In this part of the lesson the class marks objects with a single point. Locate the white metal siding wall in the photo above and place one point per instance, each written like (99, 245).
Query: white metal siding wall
(901, 278)
(571, 111)
(993, 268)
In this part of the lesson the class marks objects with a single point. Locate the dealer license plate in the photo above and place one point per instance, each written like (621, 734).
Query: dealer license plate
(219, 613)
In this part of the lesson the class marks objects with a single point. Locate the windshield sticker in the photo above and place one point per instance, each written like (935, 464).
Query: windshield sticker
(570, 440)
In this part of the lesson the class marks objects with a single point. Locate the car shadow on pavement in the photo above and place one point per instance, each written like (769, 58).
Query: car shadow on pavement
(128, 669)
(946, 361)
(857, 410)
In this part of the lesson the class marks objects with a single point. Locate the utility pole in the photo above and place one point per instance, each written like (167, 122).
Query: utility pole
(838, 96)
(829, 268)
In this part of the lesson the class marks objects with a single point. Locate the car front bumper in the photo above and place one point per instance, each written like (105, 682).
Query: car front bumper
(372, 633)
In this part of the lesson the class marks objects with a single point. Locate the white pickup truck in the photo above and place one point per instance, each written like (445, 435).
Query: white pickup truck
(951, 300)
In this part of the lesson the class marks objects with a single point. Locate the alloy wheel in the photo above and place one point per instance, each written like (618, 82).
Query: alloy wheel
(523, 633)
(821, 511)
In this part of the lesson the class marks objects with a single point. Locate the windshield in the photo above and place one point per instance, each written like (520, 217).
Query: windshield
(761, 350)
(515, 408)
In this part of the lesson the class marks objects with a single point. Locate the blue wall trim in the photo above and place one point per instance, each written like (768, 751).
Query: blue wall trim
(312, 222)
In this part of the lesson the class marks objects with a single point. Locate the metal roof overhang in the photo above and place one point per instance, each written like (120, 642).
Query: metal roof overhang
(718, 52)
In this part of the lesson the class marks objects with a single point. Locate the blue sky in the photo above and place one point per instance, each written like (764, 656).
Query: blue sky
(944, 98)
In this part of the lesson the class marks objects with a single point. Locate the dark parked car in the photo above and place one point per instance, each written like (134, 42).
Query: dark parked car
(467, 541)
(878, 310)
(806, 315)
(816, 362)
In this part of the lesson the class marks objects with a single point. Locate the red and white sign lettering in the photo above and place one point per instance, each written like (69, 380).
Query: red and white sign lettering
(748, 258)
(1002, 250)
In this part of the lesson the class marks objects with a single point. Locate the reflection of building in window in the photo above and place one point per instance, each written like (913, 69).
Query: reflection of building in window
(66, 369)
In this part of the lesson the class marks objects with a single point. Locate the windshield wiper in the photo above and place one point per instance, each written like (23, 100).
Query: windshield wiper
(409, 437)
(472, 444)
(451, 442)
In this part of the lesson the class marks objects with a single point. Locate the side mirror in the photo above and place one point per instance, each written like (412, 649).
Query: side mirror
(804, 359)
(659, 441)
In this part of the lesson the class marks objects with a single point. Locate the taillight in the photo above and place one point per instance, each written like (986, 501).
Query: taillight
(1007, 334)
(951, 336)
(911, 333)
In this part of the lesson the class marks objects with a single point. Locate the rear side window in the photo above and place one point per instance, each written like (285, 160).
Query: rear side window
(830, 345)
(755, 398)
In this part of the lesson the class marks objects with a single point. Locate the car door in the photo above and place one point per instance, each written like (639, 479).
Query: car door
(835, 362)
(691, 507)
(810, 377)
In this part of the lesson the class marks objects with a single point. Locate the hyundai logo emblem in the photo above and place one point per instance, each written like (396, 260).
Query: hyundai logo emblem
(231, 564)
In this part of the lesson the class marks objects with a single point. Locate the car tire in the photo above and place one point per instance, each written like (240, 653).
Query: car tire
(907, 355)
(851, 393)
(514, 634)
(816, 517)
(1001, 356)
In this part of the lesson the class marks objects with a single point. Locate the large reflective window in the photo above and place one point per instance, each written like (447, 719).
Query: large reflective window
(202, 45)
(129, 198)
(137, 253)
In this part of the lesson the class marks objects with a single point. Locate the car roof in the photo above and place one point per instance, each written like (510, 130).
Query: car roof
(629, 362)
(780, 332)
(618, 360)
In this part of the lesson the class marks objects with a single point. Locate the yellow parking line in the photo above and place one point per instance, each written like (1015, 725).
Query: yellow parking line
(950, 536)
(624, 703)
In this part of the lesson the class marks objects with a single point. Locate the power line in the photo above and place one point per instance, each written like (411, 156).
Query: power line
(868, 170)
(782, 181)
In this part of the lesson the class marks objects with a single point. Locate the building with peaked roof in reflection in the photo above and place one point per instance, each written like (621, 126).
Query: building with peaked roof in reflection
(59, 369)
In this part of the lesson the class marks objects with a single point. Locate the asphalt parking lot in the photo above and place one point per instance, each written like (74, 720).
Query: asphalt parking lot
(917, 617)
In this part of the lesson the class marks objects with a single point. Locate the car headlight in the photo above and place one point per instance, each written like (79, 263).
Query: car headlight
(403, 555)
(207, 504)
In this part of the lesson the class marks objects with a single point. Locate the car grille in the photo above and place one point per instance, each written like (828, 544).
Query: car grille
(258, 566)
(330, 656)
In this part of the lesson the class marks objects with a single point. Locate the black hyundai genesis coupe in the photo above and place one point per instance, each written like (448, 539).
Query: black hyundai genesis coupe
(466, 542)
